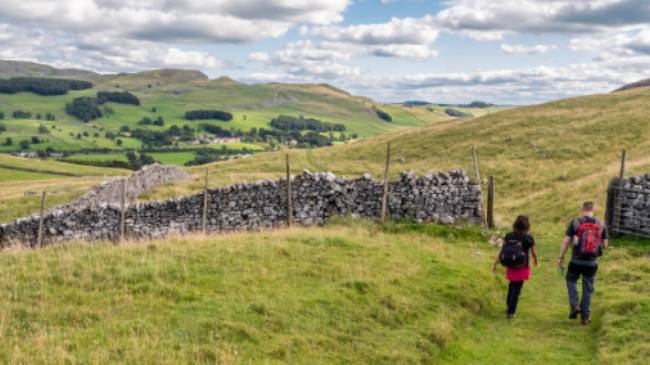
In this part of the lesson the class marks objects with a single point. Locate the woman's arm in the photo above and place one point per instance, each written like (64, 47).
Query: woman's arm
(496, 261)
(533, 251)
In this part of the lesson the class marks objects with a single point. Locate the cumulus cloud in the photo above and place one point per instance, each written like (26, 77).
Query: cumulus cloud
(133, 34)
(399, 37)
(498, 18)
(314, 61)
(523, 49)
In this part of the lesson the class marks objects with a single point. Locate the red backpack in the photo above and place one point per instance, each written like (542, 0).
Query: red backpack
(589, 241)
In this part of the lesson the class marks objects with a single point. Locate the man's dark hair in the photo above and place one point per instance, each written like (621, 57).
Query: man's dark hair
(521, 224)
(587, 206)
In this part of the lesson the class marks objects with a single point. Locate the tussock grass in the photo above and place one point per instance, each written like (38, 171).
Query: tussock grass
(349, 293)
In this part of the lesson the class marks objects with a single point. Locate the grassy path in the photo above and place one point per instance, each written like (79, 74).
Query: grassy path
(541, 333)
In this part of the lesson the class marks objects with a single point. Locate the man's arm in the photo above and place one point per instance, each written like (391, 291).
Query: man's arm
(563, 250)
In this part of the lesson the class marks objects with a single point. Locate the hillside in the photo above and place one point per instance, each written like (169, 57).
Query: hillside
(634, 85)
(353, 291)
(169, 93)
(32, 69)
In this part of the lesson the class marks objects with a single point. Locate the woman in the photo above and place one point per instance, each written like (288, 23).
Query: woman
(517, 275)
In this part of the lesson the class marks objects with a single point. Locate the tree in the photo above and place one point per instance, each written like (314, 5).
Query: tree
(41, 86)
(125, 129)
(36, 140)
(383, 115)
(3, 128)
(38, 116)
(208, 114)
(24, 144)
(154, 109)
(2, 115)
(119, 142)
(43, 129)
(84, 108)
(19, 114)
(50, 117)
(9, 141)
(121, 97)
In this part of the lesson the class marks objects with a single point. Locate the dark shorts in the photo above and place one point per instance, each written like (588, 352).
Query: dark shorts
(575, 270)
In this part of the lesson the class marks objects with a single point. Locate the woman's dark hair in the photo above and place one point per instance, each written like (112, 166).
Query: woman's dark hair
(521, 224)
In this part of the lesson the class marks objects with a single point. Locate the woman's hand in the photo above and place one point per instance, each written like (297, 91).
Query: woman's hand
(536, 263)
(494, 268)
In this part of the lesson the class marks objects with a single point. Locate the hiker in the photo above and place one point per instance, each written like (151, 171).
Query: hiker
(589, 238)
(514, 256)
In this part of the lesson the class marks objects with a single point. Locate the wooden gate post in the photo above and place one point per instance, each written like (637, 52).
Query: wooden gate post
(490, 202)
(289, 195)
(123, 211)
(384, 200)
(204, 220)
(39, 237)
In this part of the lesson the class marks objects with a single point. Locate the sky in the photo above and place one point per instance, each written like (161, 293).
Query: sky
(452, 51)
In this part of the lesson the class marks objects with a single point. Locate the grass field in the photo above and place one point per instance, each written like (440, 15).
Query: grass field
(354, 291)
(350, 292)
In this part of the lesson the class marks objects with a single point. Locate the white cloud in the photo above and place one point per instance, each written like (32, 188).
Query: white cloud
(523, 49)
(536, 16)
(312, 60)
(400, 37)
(127, 35)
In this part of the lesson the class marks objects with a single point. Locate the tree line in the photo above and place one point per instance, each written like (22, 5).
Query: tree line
(121, 97)
(289, 123)
(208, 114)
(41, 86)
(383, 115)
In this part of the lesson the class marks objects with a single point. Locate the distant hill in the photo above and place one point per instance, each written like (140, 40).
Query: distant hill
(169, 93)
(31, 69)
(634, 85)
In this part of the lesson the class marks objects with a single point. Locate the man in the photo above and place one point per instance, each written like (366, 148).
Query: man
(588, 237)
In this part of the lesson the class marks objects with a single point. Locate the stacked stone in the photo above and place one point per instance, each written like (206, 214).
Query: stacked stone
(446, 197)
(110, 191)
(635, 207)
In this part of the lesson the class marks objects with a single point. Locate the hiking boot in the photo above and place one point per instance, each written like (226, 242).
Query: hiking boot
(585, 321)
(575, 310)
(511, 316)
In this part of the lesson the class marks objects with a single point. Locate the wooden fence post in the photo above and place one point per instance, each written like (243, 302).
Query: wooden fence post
(384, 200)
(289, 195)
(618, 206)
(490, 202)
(123, 211)
(39, 237)
(476, 170)
(204, 220)
(480, 184)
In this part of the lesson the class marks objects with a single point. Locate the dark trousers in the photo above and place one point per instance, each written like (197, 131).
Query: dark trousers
(588, 274)
(514, 289)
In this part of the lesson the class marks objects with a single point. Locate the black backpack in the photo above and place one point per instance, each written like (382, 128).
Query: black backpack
(512, 254)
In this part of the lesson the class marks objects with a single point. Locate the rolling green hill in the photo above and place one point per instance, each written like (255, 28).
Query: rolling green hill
(170, 93)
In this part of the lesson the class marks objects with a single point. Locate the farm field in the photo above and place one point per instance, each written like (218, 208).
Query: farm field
(252, 106)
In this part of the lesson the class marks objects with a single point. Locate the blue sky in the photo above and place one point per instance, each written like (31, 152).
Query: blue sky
(508, 51)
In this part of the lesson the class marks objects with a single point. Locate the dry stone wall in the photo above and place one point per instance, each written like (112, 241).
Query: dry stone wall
(110, 191)
(446, 197)
(632, 205)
